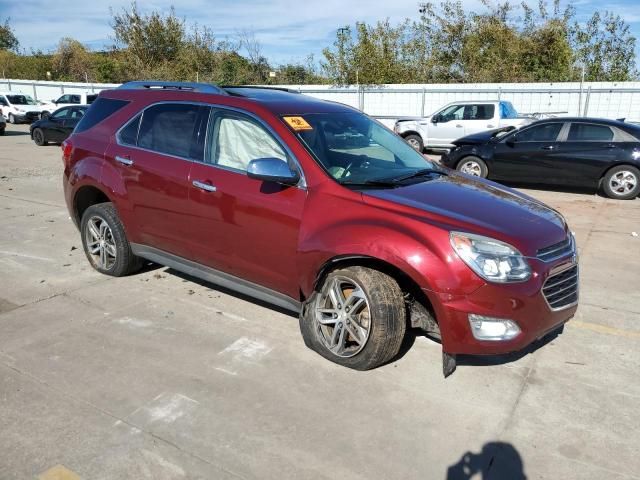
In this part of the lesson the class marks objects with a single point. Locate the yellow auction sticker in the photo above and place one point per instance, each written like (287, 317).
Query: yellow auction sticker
(298, 123)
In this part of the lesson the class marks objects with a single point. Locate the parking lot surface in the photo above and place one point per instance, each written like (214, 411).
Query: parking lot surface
(160, 376)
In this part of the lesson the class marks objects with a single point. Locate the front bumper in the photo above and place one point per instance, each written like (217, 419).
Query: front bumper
(524, 303)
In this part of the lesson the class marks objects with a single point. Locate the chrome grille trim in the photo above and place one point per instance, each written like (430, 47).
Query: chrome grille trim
(558, 250)
(561, 290)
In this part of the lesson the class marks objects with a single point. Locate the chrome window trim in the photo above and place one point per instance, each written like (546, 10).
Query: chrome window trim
(302, 183)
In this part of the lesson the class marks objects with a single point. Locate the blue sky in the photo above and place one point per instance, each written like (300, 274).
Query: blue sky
(288, 30)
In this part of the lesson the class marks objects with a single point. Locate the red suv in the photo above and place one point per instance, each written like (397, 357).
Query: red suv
(315, 207)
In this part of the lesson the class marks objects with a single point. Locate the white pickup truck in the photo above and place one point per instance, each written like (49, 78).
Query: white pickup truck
(456, 120)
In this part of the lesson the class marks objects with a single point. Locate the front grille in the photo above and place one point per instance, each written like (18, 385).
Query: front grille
(561, 290)
(557, 250)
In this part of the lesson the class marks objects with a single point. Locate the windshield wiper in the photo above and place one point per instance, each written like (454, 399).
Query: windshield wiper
(418, 173)
(372, 183)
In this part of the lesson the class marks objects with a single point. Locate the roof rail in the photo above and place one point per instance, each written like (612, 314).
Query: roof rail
(261, 87)
(160, 85)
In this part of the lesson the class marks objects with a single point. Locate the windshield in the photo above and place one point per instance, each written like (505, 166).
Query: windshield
(21, 100)
(355, 149)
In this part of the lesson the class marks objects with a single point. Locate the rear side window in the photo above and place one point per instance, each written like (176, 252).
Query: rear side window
(479, 112)
(98, 111)
(91, 99)
(583, 132)
(540, 133)
(170, 128)
(129, 134)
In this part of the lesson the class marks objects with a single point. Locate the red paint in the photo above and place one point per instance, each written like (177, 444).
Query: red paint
(282, 237)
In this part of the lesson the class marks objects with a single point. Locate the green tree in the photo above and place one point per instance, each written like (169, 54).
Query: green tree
(73, 62)
(8, 40)
(605, 47)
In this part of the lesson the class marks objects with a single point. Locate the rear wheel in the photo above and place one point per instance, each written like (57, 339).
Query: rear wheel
(473, 166)
(622, 182)
(415, 141)
(356, 319)
(105, 242)
(39, 138)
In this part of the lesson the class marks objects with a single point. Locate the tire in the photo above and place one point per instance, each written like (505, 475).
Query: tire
(11, 119)
(473, 165)
(379, 320)
(622, 182)
(415, 141)
(39, 137)
(1, 131)
(124, 261)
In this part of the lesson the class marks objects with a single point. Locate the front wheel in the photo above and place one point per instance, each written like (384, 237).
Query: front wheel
(105, 242)
(473, 166)
(11, 119)
(356, 319)
(622, 182)
(415, 141)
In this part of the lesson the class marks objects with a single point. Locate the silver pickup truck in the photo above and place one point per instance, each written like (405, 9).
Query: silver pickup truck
(456, 120)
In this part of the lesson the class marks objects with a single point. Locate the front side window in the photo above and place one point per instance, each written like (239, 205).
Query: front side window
(236, 139)
(77, 113)
(454, 112)
(170, 128)
(584, 132)
(479, 112)
(354, 149)
(75, 99)
(64, 99)
(540, 133)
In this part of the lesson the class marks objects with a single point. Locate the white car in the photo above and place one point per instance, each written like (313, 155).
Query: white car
(20, 107)
(456, 120)
(74, 99)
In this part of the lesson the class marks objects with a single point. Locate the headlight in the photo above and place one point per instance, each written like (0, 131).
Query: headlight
(493, 260)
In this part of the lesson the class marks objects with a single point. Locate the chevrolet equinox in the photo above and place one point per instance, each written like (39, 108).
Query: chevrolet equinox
(314, 207)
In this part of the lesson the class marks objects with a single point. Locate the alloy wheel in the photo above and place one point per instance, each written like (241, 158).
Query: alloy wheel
(471, 167)
(343, 317)
(415, 144)
(623, 182)
(100, 243)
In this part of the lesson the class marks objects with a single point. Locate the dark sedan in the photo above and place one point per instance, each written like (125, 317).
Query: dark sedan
(576, 152)
(57, 126)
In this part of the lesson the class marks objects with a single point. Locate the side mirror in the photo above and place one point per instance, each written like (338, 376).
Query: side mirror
(512, 140)
(54, 101)
(436, 118)
(272, 170)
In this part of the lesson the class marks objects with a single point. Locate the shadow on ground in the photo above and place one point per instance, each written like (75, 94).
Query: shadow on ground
(496, 461)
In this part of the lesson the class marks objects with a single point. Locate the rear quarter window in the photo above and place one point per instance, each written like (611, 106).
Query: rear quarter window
(99, 110)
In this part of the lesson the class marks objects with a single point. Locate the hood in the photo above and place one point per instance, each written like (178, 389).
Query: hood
(482, 137)
(457, 202)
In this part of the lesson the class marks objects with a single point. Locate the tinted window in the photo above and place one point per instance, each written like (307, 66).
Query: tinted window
(91, 98)
(64, 99)
(62, 113)
(238, 139)
(129, 134)
(21, 100)
(479, 112)
(98, 111)
(3, 102)
(583, 132)
(540, 133)
(75, 99)
(77, 113)
(169, 128)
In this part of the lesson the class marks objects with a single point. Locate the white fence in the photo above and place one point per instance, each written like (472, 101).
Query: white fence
(594, 99)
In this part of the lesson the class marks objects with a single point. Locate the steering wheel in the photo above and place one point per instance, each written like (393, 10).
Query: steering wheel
(361, 161)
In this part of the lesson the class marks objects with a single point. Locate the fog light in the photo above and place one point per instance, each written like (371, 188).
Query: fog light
(492, 329)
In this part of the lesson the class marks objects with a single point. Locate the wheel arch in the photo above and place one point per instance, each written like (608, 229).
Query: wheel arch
(610, 167)
(86, 196)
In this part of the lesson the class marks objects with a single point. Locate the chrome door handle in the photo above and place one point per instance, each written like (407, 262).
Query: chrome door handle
(490, 126)
(204, 186)
(548, 147)
(459, 126)
(124, 160)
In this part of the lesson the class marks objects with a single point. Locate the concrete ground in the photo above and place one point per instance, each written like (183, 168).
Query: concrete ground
(157, 376)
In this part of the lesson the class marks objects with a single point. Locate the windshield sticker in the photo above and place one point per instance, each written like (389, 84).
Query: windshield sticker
(298, 123)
